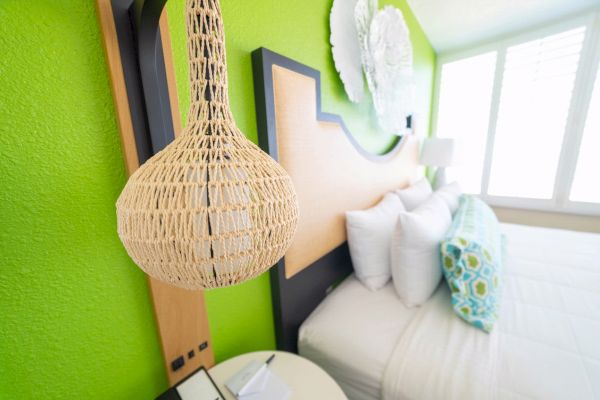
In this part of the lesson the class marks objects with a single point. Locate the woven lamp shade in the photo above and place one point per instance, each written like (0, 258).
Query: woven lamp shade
(211, 209)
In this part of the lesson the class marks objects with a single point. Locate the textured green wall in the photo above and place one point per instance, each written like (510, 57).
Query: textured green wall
(75, 315)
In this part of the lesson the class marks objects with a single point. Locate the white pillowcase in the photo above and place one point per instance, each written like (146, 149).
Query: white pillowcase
(451, 195)
(369, 239)
(415, 250)
(415, 195)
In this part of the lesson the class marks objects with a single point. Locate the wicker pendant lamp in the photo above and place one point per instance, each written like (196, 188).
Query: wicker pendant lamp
(211, 209)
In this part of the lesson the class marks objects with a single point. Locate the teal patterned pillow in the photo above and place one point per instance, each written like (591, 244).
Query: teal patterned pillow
(472, 261)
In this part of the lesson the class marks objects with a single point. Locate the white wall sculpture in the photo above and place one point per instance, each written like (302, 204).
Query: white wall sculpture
(346, 49)
(378, 46)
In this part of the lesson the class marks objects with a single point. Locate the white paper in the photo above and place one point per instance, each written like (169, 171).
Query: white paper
(198, 387)
(266, 386)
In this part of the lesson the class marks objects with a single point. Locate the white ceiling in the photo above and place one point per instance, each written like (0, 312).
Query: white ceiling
(453, 24)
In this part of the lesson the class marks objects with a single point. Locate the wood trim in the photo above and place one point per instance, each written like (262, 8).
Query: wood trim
(573, 222)
(181, 315)
(119, 91)
(183, 327)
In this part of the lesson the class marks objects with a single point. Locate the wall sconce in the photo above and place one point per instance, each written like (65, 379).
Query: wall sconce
(209, 209)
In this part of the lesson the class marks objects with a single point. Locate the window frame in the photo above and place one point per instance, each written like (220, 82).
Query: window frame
(587, 70)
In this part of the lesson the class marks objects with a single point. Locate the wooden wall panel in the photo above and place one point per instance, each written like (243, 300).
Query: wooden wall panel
(180, 314)
(119, 91)
(329, 174)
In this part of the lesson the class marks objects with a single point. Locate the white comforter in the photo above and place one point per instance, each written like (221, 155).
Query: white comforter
(546, 344)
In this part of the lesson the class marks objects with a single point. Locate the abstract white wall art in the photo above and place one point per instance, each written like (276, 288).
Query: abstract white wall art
(364, 11)
(345, 48)
(378, 46)
(392, 57)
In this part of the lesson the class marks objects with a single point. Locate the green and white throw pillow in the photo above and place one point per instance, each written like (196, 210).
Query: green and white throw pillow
(472, 262)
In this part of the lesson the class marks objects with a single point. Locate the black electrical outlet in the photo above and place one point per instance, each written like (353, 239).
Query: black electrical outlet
(177, 363)
(203, 346)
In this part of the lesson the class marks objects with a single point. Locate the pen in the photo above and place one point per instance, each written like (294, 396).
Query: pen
(270, 359)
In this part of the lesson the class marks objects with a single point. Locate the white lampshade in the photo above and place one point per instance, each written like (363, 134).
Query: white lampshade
(437, 152)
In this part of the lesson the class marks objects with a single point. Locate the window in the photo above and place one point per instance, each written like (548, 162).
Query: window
(515, 110)
(537, 87)
(586, 184)
(472, 81)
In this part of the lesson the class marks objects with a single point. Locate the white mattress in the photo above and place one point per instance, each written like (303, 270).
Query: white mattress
(550, 315)
(352, 333)
(549, 328)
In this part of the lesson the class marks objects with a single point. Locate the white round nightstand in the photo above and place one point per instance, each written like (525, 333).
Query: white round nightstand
(306, 379)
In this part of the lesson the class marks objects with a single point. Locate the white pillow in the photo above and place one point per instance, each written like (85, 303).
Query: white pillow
(415, 195)
(415, 251)
(451, 195)
(369, 239)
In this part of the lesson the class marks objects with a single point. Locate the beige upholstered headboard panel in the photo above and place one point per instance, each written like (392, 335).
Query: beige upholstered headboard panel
(331, 176)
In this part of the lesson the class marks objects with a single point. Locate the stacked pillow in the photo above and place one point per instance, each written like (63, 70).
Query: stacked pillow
(451, 195)
(412, 237)
(472, 259)
(415, 255)
(369, 237)
(415, 195)
(415, 220)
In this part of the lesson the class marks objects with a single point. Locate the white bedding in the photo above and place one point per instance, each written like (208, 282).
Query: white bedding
(550, 315)
(430, 360)
(352, 334)
(548, 334)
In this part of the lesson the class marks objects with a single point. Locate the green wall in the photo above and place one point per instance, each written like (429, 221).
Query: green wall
(75, 314)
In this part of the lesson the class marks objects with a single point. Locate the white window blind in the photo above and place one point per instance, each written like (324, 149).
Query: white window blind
(525, 113)
(586, 184)
(537, 88)
(471, 80)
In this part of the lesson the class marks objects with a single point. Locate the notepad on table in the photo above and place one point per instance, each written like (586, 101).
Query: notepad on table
(265, 385)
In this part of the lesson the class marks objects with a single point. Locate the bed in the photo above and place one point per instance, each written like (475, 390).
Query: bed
(547, 337)
(546, 343)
